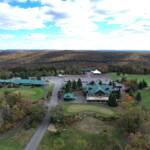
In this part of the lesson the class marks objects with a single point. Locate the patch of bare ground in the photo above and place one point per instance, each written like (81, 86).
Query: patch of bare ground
(93, 125)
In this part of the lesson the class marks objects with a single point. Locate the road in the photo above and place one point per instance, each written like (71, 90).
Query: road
(37, 137)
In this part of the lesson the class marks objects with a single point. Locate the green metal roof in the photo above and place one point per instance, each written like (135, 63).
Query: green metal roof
(23, 81)
(69, 96)
(95, 88)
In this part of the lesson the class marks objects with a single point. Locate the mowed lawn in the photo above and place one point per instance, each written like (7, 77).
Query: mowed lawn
(77, 108)
(34, 93)
(137, 77)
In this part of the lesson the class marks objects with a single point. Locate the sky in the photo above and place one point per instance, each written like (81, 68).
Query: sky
(75, 24)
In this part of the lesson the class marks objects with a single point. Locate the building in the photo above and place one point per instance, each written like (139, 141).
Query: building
(24, 82)
(99, 92)
(69, 96)
(96, 72)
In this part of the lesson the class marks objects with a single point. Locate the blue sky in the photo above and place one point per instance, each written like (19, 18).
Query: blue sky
(75, 24)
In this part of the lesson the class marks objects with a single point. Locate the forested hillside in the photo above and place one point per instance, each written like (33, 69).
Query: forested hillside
(138, 62)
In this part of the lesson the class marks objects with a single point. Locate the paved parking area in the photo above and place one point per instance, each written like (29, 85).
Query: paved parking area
(85, 78)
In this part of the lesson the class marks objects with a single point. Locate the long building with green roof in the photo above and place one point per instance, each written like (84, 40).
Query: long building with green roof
(23, 82)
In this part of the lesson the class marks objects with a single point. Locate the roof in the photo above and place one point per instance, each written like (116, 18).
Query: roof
(87, 69)
(92, 89)
(23, 81)
(96, 71)
(69, 96)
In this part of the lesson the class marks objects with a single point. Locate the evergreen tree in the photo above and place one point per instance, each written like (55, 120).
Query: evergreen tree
(144, 84)
(74, 85)
(79, 83)
(140, 85)
(138, 97)
(110, 83)
(92, 83)
(118, 94)
(68, 86)
(112, 100)
(100, 82)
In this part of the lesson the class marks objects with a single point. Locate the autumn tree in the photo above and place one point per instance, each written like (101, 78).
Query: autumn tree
(131, 120)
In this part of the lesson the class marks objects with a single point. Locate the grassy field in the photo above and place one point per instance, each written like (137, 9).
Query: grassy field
(17, 141)
(138, 77)
(73, 139)
(146, 98)
(77, 108)
(35, 93)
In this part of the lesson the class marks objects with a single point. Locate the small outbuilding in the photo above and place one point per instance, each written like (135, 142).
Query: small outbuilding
(96, 72)
(52, 128)
(69, 97)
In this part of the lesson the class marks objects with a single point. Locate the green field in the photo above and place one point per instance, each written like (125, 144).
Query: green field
(34, 93)
(138, 77)
(146, 98)
(77, 108)
(16, 141)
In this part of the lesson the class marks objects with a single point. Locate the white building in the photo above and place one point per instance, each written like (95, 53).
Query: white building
(96, 72)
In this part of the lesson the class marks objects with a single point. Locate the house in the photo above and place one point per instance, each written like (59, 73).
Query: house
(69, 96)
(98, 92)
(96, 72)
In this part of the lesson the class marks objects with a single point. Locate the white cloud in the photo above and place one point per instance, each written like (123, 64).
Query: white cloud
(36, 36)
(77, 21)
(6, 36)
(22, 1)
(125, 12)
(14, 18)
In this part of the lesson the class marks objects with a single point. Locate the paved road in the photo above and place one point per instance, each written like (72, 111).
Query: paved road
(37, 137)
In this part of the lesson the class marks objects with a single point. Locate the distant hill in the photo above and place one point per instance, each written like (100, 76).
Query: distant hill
(33, 59)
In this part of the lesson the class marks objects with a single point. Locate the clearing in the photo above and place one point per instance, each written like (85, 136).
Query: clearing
(16, 141)
(77, 108)
(35, 93)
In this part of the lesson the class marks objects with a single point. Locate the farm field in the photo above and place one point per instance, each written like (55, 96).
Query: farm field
(77, 108)
(138, 77)
(16, 141)
(35, 93)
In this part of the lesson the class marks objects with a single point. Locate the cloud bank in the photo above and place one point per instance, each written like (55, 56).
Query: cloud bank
(75, 24)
